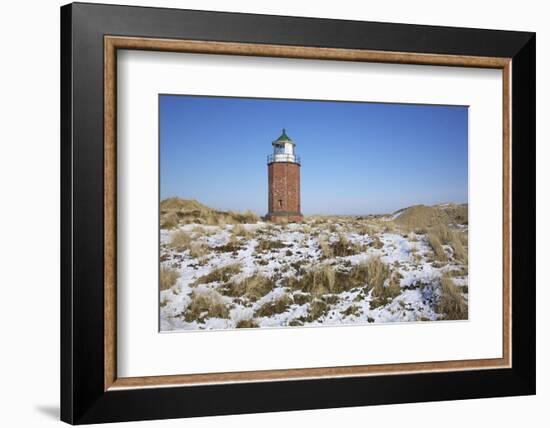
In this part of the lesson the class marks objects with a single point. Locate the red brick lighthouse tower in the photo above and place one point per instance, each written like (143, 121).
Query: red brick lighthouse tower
(283, 167)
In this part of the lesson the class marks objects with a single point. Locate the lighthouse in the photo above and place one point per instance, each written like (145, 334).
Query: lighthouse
(283, 171)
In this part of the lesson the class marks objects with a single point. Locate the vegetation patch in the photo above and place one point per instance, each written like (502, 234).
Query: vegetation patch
(253, 287)
(232, 246)
(435, 243)
(331, 299)
(268, 245)
(221, 274)
(317, 281)
(317, 309)
(376, 243)
(342, 247)
(352, 310)
(168, 277)
(301, 298)
(180, 240)
(241, 231)
(277, 306)
(249, 323)
(384, 295)
(177, 211)
(206, 304)
(451, 304)
(421, 217)
(451, 237)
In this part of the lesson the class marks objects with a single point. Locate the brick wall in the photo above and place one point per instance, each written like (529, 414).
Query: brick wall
(284, 191)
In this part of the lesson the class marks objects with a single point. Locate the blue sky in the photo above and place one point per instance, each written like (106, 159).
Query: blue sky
(357, 158)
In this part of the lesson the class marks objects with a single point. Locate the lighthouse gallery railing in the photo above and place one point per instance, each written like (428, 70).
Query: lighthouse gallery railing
(283, 157)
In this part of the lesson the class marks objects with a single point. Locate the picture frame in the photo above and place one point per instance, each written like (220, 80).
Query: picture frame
(91, 390)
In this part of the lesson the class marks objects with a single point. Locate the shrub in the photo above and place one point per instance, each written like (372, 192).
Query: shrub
(221, 274)
(206, 304)
(168, 277)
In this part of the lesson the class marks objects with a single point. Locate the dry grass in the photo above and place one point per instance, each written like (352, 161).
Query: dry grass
(253, 287)
(176, 211)
(463, 271)
(277, 306)
(198, 249)
(206, 304)
(324, 245)
(374, 272)
(301, 298)
(268, 245)
(246, 217)
(451, 304)
(241, 231)
(435, 243)
(383, 295)
(221, 274)
(317, 309)
(352, 310)
(421, 217)
(451, 237)
(364, 229)
(169, 220)
(376, 243)
(168, 277)
(317, 281)
(459, 252)
(180, 240)
(249, 323)
(232, 246)
(368, 275)
(342, 247)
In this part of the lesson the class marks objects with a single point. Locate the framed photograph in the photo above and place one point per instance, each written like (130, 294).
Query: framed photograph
(265, 213)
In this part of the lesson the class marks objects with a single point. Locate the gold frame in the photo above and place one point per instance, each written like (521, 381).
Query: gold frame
(112, 43)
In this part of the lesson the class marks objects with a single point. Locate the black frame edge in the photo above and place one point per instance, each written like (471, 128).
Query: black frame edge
(524, 213)
(66, 130)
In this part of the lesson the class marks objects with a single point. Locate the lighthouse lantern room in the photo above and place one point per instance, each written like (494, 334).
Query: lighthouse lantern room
(283, 167)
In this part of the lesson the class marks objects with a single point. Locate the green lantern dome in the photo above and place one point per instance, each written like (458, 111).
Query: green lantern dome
(283, 138)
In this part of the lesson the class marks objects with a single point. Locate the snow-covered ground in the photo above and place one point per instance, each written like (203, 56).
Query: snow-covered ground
(281, 253)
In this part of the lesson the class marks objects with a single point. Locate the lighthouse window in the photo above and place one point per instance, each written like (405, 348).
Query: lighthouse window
(280, 203)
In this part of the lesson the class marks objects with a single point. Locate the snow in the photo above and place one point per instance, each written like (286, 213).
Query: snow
(406, 254)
